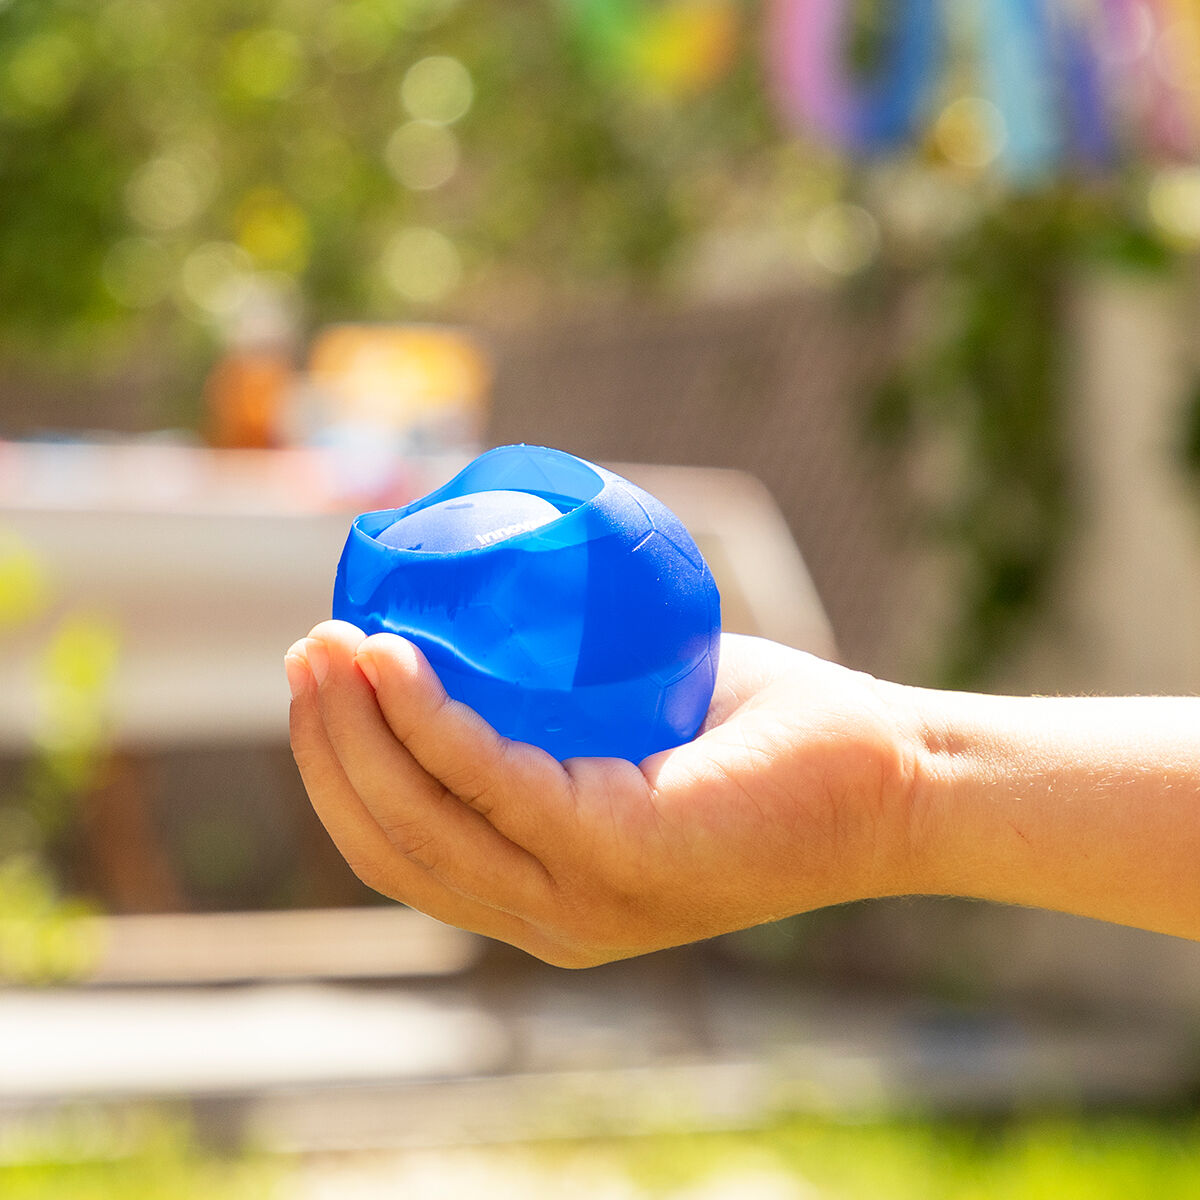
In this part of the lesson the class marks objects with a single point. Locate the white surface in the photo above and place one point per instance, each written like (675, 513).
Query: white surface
(71, 1043)
(326, 943)
(206, 597)
(1136, 588)
(204, 607)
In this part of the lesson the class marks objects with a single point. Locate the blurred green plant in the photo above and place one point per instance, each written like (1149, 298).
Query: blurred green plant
(92, 1153)
(44, 937)
(1023, 1157)
(373, 157)
(167, 171)
(982, 384)
(87, 1153)
(43, 934)
(979, 391)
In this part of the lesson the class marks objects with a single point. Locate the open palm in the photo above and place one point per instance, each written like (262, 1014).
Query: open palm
(785, 801)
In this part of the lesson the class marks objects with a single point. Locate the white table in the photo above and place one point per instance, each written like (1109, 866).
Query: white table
(209, 564)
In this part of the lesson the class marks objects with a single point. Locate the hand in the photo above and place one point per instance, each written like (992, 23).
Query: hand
(792, 797)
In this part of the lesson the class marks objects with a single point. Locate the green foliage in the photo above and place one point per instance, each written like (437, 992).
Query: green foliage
(148, 1154)
(1189, 437)
(985, 380)
(44, 936)
(154, 156)
(163, 164)
(1026, 1158)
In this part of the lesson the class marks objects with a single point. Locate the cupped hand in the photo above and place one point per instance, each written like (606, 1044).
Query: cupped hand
(792, 797)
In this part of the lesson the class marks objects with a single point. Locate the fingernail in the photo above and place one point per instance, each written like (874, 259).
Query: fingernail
(367, 665)
(297, 673)
(318, 659)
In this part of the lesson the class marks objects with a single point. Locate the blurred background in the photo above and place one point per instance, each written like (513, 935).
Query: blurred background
(894, 303)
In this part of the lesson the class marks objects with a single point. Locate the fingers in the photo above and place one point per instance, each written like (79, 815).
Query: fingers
(521, 790)
(423, 819)
(359, 837)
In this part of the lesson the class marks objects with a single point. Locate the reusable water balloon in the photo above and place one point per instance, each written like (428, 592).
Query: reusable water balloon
(567, 606)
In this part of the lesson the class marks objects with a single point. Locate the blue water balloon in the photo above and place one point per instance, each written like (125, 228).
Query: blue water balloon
(570, 608)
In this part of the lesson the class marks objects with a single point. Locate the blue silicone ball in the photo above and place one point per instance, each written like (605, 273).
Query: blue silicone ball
(469, 522)
(567, 606)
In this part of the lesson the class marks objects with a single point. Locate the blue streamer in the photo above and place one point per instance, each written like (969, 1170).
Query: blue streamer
(889, 109)
(1018, 41)
(1092, 136)
(807, 54)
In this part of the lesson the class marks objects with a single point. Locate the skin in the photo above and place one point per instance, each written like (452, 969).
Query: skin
(809, 785)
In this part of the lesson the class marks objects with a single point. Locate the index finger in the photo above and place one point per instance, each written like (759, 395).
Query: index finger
(520, 789)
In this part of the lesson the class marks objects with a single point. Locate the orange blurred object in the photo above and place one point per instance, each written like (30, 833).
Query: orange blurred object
(245, 395)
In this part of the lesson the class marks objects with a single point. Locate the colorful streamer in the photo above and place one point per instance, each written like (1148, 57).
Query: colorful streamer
(672, 48)
(1134, 33)
(1180, 54)
(1073, 82)
(1018, 68)
(806, 46)
(1089, 112)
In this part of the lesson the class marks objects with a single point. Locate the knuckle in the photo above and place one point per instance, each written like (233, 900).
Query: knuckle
(413, 839)
(477, 782)
(466, 781)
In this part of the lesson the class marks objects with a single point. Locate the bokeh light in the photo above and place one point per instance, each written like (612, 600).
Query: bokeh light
(970, 133)
(172, 189)
(211, 274)
(1174, 204)
(421, 264)
(264, 64)
(41, 76)
(422, 155)
(438, 89)
(273, 230)
(843, 238)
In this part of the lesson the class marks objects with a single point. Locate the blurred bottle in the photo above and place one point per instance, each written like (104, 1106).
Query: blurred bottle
(250, 386)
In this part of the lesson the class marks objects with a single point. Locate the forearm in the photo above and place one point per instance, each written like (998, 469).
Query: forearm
(1084, 805)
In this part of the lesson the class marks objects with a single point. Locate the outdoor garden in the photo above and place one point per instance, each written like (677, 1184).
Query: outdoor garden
(906, 290)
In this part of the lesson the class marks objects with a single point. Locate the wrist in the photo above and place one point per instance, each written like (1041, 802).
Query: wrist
(1079, 804)
(939, 758)
(897, 859)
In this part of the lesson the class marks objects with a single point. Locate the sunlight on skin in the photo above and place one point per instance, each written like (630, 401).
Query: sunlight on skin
(595, 859)
(809, 785)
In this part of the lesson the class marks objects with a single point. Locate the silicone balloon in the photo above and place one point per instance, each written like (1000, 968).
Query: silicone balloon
(567, 606)
(469, 522)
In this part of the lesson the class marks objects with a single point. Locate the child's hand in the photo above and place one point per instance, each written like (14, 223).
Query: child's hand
(792, 797)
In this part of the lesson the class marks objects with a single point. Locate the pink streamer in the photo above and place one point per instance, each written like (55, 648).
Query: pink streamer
(1155, 103)
(803, 43)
